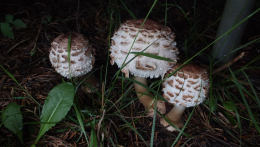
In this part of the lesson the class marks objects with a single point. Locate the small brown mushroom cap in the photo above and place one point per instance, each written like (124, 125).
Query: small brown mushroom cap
(188, 87)
(81, 58)
(152, 38)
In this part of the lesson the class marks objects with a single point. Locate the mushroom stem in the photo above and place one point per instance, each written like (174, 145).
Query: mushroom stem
(175, 114)
(175, 117)
(146, 98)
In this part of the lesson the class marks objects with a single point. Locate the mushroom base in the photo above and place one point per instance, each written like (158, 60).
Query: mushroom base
(174, 116)
(146, 99)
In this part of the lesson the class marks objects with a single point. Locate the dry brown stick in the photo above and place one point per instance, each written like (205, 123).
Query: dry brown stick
(241, 55)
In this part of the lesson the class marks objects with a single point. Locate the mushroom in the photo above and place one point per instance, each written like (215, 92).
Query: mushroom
(151, 38)
(188, 87)
(81, 58)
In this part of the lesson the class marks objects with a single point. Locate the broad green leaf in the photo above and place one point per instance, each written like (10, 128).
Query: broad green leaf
(19, 24)
(9, 18)
(13, 120)
(56, 106)
(6, 30)
(152, 56)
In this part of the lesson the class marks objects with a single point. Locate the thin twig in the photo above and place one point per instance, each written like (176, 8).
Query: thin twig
(241, 55)
(100, 122)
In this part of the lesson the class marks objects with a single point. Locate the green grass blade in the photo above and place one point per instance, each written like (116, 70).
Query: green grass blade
(18, 84)
(257, 40)
(239, 87)
(129, 11)
(93, 136)
(10, 75)
(69, 52)
(166, 13)
(149, 12)
(131, 127)
(253, 89)
(181, 10)
(80, 121)
(182, 130)
(109, 36)
(126, 92)
(249, 63)
(154, 119)
(239, 125)
(152, 56)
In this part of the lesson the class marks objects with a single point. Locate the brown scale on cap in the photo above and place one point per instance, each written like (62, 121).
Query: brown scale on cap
(179, 81)
(157, 44)
(170, 94)
(178, 87)
(170, 82)
(148, 66)
(136, 49)
(113, 43)
(190, 81)
(124, 43)
(81, 59)
(60, 51)
(140, 40)
(190, 69)
(148, 25)
(77, 41)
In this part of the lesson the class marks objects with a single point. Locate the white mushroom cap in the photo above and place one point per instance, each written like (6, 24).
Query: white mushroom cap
(188, 87)
(81, 58)
(158, 38)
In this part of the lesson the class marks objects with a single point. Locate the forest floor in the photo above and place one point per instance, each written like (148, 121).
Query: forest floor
(229, 117)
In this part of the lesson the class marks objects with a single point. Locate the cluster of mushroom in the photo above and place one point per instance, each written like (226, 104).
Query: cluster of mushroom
(187, 87)
(151, 38)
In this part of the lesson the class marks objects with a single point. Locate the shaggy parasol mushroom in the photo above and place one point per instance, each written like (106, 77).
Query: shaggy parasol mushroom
(81, 58)
(151, 38)
(188, 87)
